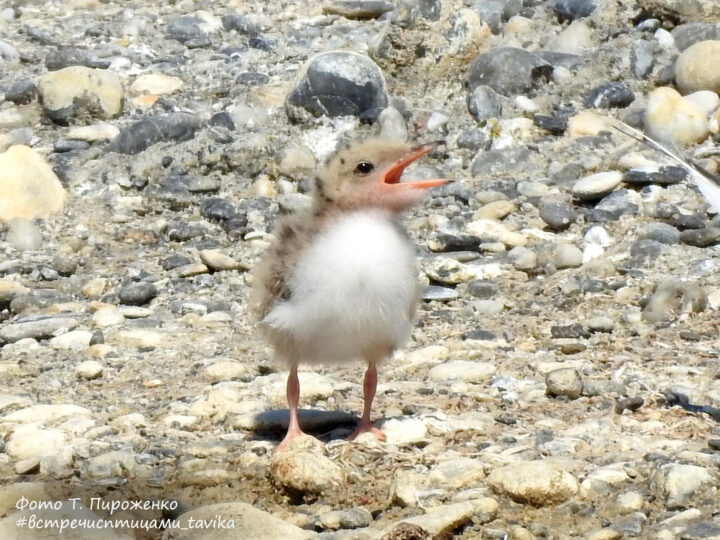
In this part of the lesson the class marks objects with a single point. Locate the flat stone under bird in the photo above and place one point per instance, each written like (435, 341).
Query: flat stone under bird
(339, 282)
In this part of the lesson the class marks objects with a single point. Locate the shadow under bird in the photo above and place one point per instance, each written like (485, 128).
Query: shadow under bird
(339, 282)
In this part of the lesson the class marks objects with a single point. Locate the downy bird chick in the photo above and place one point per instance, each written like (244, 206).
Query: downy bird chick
(339, 282)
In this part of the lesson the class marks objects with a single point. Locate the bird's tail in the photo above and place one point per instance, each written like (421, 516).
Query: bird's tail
(708, 183)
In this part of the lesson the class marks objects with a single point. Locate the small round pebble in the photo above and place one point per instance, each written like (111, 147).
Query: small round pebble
(596, 185)
(630, 404)
(89, 370)
(564, 382)
(558, 216)
(137, 294)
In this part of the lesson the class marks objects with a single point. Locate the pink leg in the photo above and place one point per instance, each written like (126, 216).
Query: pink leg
(369, 387)
(293, 397)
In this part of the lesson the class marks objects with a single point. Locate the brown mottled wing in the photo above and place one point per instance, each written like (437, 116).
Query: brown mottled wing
(292, 236)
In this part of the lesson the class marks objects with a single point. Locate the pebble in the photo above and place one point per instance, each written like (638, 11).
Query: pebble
(495, 210)
(187, 30)
(688, 34)
(222, 119)
(600, 323)
(31, 441)
(337, 83)
(671, 298)
(671, 118)
(301, 467)
(490, 69)
(136, 137)
(107, 316)
(98, 132)
(440, 294)
(610, 95)
(78, 90)
(155, 83)
(404, 431)
(492, 229)
(596, 185)
(354, 518)
(705, 237)
(446, 271)
(464, 370)
(573, 9)
(642, 58)
(566, 256)
(564, 382)
(29, 186)
(706, 100)
(137, 293)
(358, 9)
(619, 203)
(679, 484)
(445, 242)
(522, 258)
(68, 57)
(558, 216)
(73, 340)
(39, 328)
(692, 70)
(22, 92)
(89, 370)
(218, 261)
(457, 473)
(629, 404)
(654, 174)
(484, 103)
(539, 483)
(556, 124)
(440, 521)
(240, 24)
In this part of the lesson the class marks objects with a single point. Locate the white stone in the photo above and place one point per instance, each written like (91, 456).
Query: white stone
(490, 228)
(74, 340)
(33, 442)
(29, 187)
(140, 338)
(98, 132)
(156, 83)
(90, 369)
(705, 100)
(673, 119)
(457, 473)
(596, 185)
(107, 316)
(464, 370)
(539, 483)
(46, 413)
(680, 483)
(401, 431)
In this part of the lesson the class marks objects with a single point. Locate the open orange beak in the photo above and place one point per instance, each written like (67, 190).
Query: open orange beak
(392, 175)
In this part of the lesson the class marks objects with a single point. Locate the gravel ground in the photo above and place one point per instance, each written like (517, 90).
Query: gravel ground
(562, 380)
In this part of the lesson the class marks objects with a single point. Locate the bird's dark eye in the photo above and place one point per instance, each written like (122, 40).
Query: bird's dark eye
(364, 167)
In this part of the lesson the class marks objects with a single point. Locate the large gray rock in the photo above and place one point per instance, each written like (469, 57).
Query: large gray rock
(136, 137)
(508, 71)
(78, 90)
(337, 83)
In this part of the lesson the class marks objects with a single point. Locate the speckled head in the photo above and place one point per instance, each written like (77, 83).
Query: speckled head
(367, 173)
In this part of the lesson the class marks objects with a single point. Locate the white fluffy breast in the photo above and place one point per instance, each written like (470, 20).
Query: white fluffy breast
(352, 291)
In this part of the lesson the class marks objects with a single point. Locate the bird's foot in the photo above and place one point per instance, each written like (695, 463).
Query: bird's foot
(294, 434)
(366, 428)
